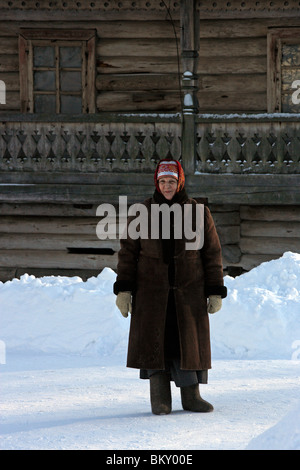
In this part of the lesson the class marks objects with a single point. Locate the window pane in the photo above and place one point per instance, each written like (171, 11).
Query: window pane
(43, 56)
(70, 81)
(290, 75)
(45, 104)
(290, 54)
(44, 81)
(70, 56)
(71, 104)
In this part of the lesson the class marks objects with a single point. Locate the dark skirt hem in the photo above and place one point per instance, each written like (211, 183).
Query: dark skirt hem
(181, 378)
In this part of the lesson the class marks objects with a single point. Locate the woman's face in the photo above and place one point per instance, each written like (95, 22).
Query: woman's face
(168, 186)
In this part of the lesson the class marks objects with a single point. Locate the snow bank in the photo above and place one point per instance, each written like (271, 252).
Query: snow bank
(259, 318)
(285, 435)
(62, 315)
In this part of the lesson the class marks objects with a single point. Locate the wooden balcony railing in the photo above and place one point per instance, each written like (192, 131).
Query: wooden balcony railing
(254, 157)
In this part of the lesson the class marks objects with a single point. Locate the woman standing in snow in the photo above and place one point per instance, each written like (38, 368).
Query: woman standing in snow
(169, 290)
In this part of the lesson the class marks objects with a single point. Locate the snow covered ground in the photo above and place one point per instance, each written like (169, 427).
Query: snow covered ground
(64, 384)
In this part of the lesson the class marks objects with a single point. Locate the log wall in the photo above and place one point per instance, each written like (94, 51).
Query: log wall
(268, 232)
(54, 239)
(137, 67)
(53, 174)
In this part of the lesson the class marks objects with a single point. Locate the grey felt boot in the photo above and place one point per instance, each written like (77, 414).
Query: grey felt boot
(192, 401)
(160, 393)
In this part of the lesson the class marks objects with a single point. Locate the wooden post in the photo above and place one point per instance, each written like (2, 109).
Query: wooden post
(189, 17)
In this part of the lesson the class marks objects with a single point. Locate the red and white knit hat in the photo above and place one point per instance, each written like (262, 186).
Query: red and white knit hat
(169, 168)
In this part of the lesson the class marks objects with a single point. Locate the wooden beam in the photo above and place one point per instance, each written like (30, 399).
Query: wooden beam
(189, 63)
(219, 189)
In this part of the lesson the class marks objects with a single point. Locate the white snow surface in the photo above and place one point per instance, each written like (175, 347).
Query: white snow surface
(64, 382)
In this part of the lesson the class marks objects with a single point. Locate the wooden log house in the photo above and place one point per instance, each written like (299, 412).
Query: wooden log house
(97, 91)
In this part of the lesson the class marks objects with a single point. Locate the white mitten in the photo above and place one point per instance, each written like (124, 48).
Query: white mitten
(123, 302)
(214, 303)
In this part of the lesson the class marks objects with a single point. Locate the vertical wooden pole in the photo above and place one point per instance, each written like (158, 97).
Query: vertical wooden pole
(189, 19)
(23, 66)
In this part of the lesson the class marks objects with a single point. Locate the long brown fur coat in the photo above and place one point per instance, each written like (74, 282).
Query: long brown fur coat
(149, 269)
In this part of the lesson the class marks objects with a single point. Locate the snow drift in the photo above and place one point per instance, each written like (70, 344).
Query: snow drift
(66, 316)
(285, 435)
(259, 318)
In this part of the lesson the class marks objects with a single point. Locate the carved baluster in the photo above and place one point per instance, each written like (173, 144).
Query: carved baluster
(81, 157)
(140, 139)
(66, 157)
(51, 157)
(110, 157)
(21, 154)
(155, 139)
(7, 157)
(36, 137)
(95, 157)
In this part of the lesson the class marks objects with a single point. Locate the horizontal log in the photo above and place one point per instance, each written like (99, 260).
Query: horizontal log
(250, 261)
(221, 84)
(49, 225)
(219, 189)
(9, 63)
(131, 47)
(139, 101)
(130, 24)
(168, 64)
(224, 101)
(121, 28)
(162, 100)
(232, 65)
(236, 12)
(48, 210)
(254, 83)
(143, 64)
(271, 213)
(270, 229)
(55, 259)
(108, 181)
(243, 28)
(221, 208)
(162, 29)
(228, 47)
(153, 46)
(55, 242)
(8, 45)
(247, 189)
(137, 82)
(77, 15)
(222, 218)
(40, 232)
(271, 245)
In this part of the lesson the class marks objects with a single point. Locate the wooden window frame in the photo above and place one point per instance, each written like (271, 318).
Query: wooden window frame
(30, 37)
(275, 38)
